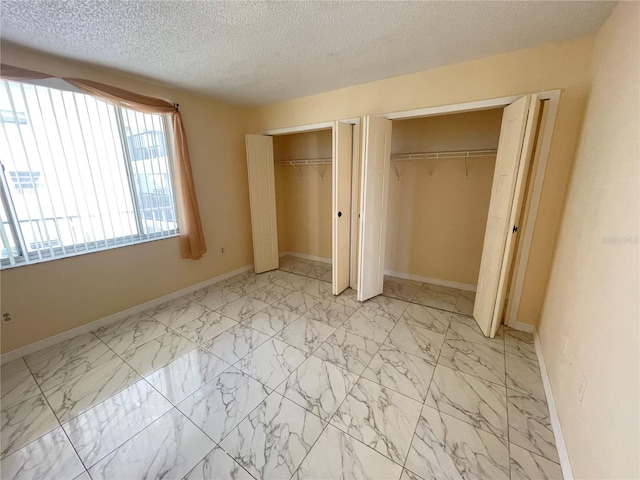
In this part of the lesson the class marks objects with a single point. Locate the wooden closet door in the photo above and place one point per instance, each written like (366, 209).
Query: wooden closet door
(262, 196)
(376, 161)
(341, 205)
(517, 133)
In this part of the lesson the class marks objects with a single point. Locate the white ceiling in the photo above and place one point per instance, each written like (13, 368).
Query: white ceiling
(261, 52)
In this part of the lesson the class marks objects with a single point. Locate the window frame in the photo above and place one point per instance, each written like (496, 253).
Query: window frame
(24, 257)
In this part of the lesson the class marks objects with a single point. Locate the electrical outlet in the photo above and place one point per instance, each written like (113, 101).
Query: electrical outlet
(6, 318)
(582, 388)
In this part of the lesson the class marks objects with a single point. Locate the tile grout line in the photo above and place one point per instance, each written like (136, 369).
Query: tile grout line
(424, 402)
(348, 393)
(198, 346)
(506, 393)
(59, 426)
(28, 368)
(328, 421)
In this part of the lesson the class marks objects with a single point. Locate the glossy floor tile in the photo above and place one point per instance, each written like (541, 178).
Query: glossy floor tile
(445, 447)
(526, 465)
(103, 428)
(272, 441)
(205, 327)
(475, 359)
(168, 448)
(444, 298)
(369, 325)
(380, 418)
(523, 374)
(50, 456)
(318, 386)
(338, 455)
(271, 376)
(347, 350)
(219, 406)
(17, 387)
(530, 425)
(271, 320)
(306, 334)
(218, 465)
(481, 403)
(84, 391)
(158, 352)
(185, 375)
(400, 288)
(66, 365)
(132, 333)
(427, 317)
(25, 422)
(401, 372)
(416, 340)
(235, 343)
(271, 362)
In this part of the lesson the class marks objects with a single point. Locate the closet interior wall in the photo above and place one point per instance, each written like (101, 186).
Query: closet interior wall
(303, 194)
(437, 214)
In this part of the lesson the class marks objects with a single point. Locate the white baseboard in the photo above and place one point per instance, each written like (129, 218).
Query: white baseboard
(306, 257)
(563, 454)
(434, 281)
(101, 322)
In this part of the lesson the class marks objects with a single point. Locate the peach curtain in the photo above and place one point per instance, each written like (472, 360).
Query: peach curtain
(192, 242)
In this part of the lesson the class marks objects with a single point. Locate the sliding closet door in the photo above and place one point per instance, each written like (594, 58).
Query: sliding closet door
(376, 160)
(262, 195)
(517, 134)
(342, 152)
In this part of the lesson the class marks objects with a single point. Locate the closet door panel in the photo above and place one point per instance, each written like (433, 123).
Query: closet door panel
(516, 210)
(508, 169)
(342, 153)
(376, 160)
(262, 197)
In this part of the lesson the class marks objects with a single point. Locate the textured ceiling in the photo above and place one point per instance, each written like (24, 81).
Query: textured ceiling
(262, 52)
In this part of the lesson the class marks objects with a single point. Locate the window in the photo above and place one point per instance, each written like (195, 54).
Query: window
(79, 174)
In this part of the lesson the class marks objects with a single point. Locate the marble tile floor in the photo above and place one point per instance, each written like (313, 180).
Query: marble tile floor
(267, 376)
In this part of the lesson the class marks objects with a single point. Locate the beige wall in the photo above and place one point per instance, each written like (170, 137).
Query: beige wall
(44, 305)
(592, 301)
(436, 216)
(49, 298)
(554, 66)
(304, 202)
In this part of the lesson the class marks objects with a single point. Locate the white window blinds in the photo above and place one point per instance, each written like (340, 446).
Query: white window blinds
(79, 174)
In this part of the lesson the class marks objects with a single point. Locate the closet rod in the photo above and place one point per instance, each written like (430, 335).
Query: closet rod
(407, 157)
(307, 161)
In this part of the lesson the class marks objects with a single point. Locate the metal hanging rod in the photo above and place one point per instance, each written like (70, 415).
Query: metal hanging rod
(308, 161)
(407, 157)
(295, 163)
(464, 154)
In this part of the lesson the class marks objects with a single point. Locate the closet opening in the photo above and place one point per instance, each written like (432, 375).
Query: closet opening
(300, 196)
(449, 198)
(303, 181)
(442, 169)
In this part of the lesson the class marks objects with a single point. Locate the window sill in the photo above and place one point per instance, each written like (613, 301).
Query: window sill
(78, 251)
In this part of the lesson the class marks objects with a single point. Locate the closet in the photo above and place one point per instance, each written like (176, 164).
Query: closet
(439, 191)
(300, 195)
(441, 198)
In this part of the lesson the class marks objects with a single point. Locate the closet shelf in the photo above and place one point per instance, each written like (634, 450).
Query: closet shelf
(302, 162)
(464, 154)
(307, 161)
(407, 157)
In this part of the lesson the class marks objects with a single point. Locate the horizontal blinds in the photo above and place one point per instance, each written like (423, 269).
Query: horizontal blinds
(79, 174)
